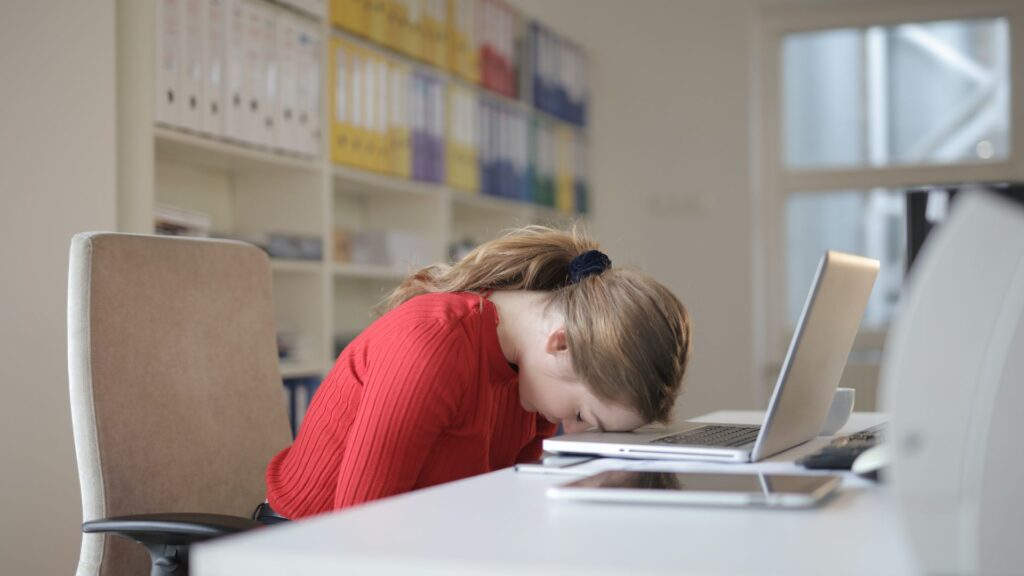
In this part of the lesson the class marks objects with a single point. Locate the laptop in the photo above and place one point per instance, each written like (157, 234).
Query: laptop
(808, 380)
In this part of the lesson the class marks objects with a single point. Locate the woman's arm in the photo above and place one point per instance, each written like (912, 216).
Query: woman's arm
(533, 450)
(413, 391)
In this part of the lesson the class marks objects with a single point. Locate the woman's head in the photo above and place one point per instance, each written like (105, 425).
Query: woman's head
(628, 336)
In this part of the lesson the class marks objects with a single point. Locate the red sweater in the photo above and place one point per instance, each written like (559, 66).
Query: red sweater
(422, 396)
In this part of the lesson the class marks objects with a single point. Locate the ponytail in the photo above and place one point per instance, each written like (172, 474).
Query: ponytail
(529, 258)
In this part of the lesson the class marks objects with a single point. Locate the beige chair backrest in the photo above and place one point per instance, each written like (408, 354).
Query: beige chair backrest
(176, 395)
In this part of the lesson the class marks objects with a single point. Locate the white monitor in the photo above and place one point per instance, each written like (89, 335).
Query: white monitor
(953, 383)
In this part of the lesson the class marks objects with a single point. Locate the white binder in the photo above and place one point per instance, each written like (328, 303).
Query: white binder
(266, 127)
(235, 98)
(168, 61)
(191, 78)
(308, 87)
(215, 20)
(252, 73)
(288, 69)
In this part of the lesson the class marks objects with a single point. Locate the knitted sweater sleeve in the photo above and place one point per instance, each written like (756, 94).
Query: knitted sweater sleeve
(535, 447)
(412, 392)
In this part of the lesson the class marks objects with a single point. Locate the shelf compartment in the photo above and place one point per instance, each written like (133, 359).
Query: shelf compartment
(368, 203)
(285, 265)
(350, 180)
(492, 204)
(369, 272)
(177, 146)
(301, 327)
(299, 370)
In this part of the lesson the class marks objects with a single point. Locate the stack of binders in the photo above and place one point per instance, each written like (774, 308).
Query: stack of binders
(557, 166)
(498, 27)
(369, 124)
(242, 70)
(417, 28)
(503, 150)
(558, 75)
(412, 121)
(386, 116)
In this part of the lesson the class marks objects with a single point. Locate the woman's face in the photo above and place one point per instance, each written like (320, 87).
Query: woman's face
(548, 385)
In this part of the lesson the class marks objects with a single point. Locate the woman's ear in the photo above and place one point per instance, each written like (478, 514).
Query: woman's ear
(556, 341)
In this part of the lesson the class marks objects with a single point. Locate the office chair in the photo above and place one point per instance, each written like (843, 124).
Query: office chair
(176, 397)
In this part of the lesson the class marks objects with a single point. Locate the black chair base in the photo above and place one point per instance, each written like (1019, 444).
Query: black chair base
(167, 537)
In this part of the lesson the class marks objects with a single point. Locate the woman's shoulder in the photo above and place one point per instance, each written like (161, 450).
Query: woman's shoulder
(422, 323)
(446, 307)
(433, 314)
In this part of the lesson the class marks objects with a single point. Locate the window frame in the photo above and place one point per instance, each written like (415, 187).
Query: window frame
(773, 182)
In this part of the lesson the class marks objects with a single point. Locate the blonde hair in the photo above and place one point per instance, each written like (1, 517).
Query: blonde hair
(628, 335)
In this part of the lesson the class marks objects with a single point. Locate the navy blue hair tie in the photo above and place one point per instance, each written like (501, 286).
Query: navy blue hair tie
(587, 264)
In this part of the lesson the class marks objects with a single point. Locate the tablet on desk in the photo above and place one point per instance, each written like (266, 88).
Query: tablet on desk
(700, 488)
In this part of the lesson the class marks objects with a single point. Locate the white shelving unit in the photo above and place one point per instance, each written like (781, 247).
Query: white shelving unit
(248, 191)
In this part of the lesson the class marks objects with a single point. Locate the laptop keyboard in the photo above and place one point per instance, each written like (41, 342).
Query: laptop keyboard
(713, 435)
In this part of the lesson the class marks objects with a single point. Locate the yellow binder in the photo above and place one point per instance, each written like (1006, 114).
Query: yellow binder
(463, 59)
(361, 145)
(451, 136)
(364, 14)
(413, 33)
(440, 30)
(371, 105)
(434, 33)
(351, 15)
(426, 26)
(398, 21)
(379, 22)
(382, 158)
(399, 143)
(341, 103)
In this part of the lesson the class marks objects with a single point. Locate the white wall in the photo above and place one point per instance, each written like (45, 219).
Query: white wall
(670, 161)
(57, 177)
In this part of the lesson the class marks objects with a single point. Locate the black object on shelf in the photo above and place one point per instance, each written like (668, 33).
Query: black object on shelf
(920, 222)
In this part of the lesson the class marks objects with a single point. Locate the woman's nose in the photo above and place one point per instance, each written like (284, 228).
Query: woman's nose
(571, 426)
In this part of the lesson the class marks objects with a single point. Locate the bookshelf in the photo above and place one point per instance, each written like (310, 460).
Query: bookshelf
(251, 192)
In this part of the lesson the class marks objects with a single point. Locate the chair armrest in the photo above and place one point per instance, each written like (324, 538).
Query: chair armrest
(175, 528)
(167, 537)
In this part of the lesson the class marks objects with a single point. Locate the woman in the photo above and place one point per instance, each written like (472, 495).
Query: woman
(474, 364)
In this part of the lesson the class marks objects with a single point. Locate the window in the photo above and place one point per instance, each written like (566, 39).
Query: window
(856, 106)
(871, 223)
(913, 94)
(925, 93)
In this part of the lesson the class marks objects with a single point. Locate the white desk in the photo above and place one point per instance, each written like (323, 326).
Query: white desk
(502, 523)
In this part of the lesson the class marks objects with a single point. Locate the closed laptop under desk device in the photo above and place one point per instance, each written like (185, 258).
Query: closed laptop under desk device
(810, 374)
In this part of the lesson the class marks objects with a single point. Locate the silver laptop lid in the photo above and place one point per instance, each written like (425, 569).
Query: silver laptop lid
(817, 352)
